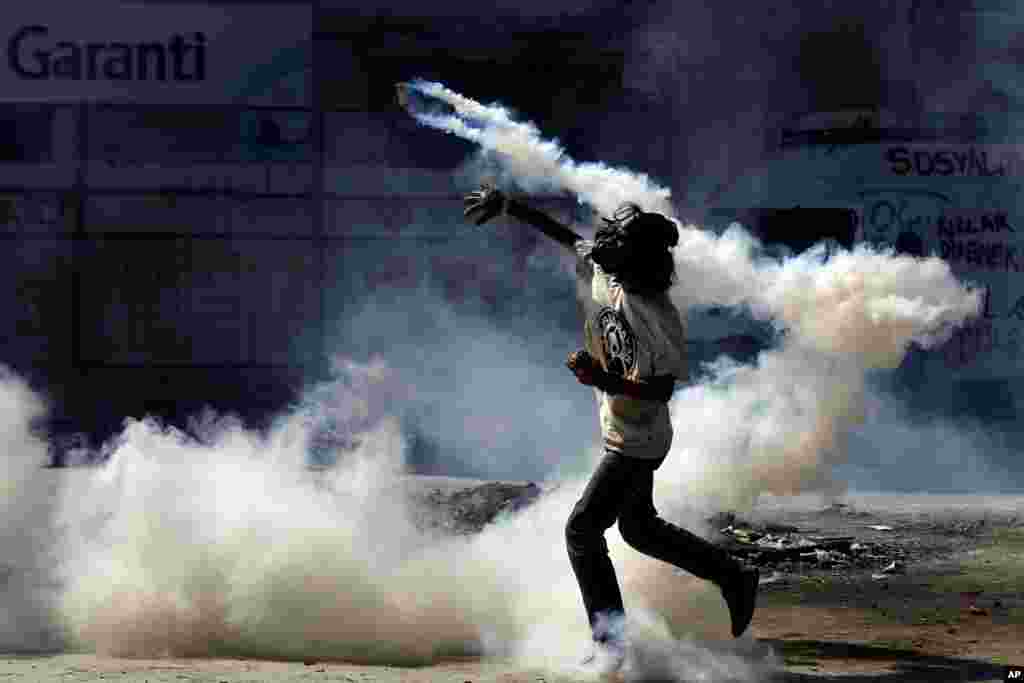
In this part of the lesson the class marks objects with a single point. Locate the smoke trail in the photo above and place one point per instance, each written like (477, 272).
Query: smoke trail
(523, 157)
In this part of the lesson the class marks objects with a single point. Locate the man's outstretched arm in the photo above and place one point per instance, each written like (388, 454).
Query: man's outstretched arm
(487, 202)
(543, 222)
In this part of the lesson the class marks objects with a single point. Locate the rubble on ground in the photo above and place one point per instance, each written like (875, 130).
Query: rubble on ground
(467, 511)
(894, 567)
(863, 545)
(784, 548)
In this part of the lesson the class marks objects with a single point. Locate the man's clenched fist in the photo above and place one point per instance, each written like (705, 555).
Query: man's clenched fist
(582, 365)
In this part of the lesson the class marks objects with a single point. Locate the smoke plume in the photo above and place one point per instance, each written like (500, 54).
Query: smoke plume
(26, 521)
(224, 543)
(517, 153)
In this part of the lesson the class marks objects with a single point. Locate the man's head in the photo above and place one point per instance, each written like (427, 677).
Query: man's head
(633, 245)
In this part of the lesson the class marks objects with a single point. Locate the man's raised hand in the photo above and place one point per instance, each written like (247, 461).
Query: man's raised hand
(483, 204)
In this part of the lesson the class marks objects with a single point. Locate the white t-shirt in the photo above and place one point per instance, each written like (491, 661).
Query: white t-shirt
(636, 337)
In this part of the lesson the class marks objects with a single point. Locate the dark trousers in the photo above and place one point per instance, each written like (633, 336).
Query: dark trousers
(622, 489)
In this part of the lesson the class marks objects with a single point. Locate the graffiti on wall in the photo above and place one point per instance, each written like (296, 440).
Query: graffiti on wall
(997, 330)
(979, 240)
(982, 338)
(964, 161)
(969, 239)
(902, 217)
(980, 246)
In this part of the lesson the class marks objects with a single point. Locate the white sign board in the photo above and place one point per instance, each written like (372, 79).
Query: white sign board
(107, 50)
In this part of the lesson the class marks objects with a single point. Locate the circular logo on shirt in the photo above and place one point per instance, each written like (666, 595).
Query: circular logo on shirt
(619, 341)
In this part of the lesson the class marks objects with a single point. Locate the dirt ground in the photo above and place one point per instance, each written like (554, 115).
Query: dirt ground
(954, 613)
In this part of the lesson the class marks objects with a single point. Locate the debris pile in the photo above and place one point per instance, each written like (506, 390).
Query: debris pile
(784, 548)
(468, 510)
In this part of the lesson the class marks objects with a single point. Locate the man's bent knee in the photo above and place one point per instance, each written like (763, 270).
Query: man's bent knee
(636, 530)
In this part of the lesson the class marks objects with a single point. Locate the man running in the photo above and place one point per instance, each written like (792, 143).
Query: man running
(634, 352)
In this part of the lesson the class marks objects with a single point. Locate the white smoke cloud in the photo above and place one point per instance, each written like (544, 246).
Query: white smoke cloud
(464, 383)
(863, 303)
(26, 509)
(227, 545)
(779, 425)
(230, 545)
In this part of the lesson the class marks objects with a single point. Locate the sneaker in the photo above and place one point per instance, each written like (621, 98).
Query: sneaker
(740, 594)
(604, 658)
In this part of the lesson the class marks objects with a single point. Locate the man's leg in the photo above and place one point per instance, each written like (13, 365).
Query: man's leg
(643, 529)
(596, 511)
